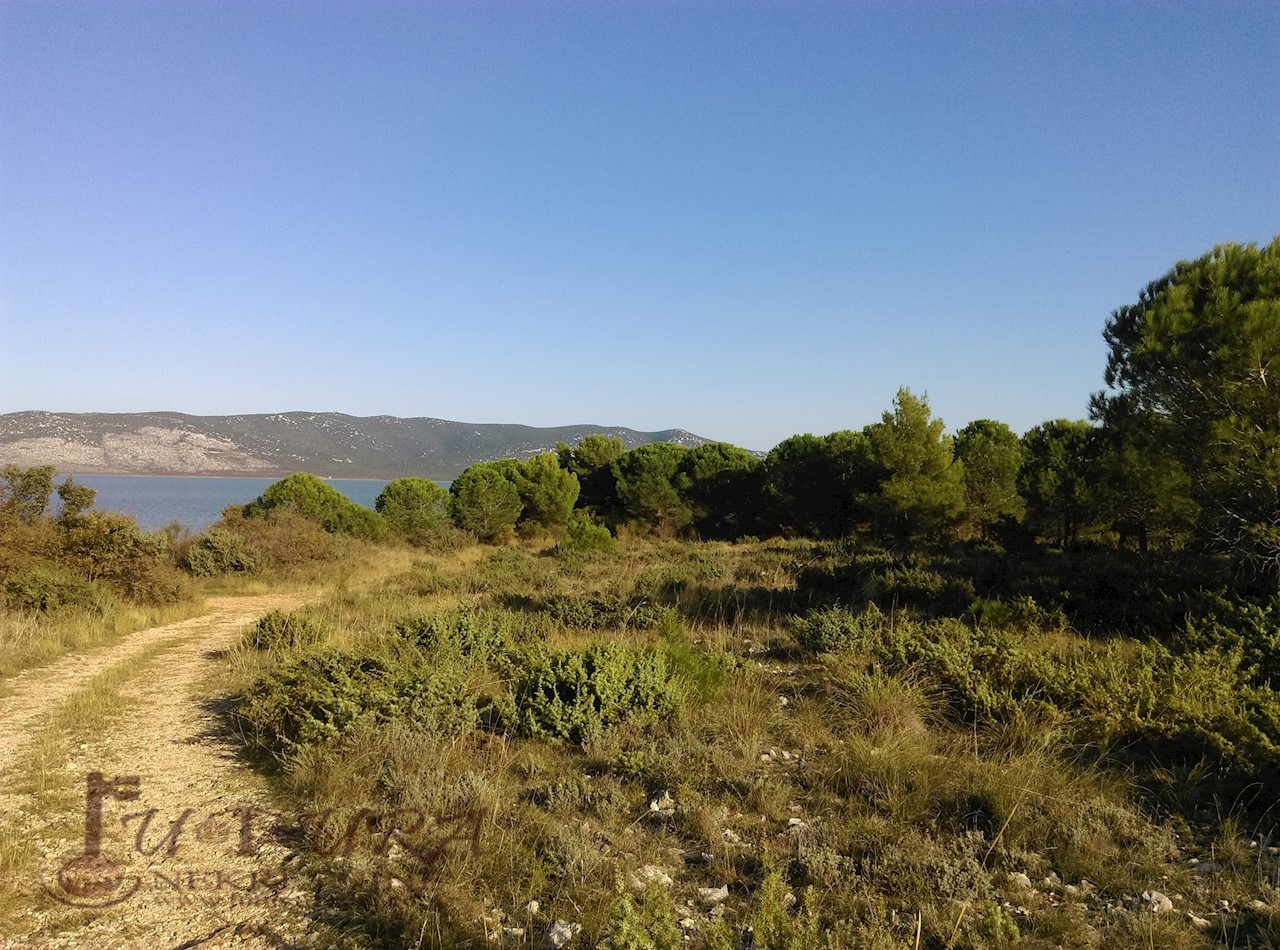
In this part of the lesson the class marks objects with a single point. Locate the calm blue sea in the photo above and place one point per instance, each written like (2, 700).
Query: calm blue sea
(195, 502)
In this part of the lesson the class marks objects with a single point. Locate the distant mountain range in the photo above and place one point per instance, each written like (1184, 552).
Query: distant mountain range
(328, 444)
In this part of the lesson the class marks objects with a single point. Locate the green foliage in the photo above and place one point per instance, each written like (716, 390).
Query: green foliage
(283, 537)
(111, 548)
(219, 551)
(319, 697)
(773, 926)
(592, 461)
(486, 502)
(547, 491)
(923, 489)
(651, 485)
(723, 489)
(583, 694)
(592, 453)
(308, 496)
(835, 629)
(278, 630)
(992, 458)
(705, 673)
(26, 491)
(417, 509)
(819, 485)
(1192, 364)
(1187, 705)
(46, 588)
(76, 499)
(584, 536)
(1144, 492)
(651, 926)
(1059, 478)
(467, 636)
(607, 611)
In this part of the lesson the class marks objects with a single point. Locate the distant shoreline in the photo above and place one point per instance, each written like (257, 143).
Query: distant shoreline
(327, 478)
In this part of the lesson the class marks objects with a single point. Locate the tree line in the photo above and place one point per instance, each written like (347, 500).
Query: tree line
(1181, 449)
(1181, 453)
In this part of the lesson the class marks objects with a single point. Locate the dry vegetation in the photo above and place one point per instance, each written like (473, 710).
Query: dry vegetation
(698, 744)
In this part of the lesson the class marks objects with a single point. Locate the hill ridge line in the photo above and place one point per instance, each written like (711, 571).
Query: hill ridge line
(330, 444)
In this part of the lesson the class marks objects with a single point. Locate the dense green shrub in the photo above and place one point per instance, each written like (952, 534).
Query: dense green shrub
(278, 630)
(318, 698)
(605, 611)
(219, 551)
(485, 501)
(310, 497)
(583, 535)
(583, 694)
(418, 510)
(480, 637)
(47, 588)
(111, 548)
(284, 537)
(833, 629)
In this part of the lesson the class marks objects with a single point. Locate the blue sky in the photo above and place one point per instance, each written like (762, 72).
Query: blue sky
(745, 219)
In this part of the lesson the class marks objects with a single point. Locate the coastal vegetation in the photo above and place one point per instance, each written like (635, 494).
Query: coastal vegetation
(885, 687)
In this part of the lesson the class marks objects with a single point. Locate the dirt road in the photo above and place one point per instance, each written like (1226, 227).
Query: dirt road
(124, 798)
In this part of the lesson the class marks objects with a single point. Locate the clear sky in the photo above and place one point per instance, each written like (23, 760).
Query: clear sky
(745, 219)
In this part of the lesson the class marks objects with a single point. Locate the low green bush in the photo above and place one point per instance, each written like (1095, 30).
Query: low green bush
(606, 611)
(583, 694)
(47, 588)
(279, 630)
(219, 551)
(834, 629)
(584, 536)
(475, 637)
(320, 697)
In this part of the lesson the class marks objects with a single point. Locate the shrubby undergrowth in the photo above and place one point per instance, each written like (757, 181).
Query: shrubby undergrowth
(852, 775)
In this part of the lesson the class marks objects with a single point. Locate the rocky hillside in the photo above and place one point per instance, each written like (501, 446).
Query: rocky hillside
(325, 443)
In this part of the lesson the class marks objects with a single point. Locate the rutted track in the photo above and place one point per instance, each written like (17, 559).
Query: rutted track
(193, 853)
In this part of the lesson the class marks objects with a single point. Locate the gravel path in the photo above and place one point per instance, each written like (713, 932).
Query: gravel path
(188, 854)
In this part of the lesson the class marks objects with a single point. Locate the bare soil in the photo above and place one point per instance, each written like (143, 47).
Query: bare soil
(198, 856)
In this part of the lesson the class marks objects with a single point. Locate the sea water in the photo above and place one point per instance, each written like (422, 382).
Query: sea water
(196, 502)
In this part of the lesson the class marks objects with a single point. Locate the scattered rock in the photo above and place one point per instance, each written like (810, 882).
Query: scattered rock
(1199, 922)
(1052, 880)
(714, 895)
(560, 933)
(765, 757)
(663, 804)
(796, 824)
(1156, 902)
(732, 836)
(649, 874)
(1021, 880)
(532, 908)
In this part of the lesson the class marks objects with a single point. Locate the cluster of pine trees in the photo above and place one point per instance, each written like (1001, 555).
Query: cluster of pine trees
(1183, 447)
